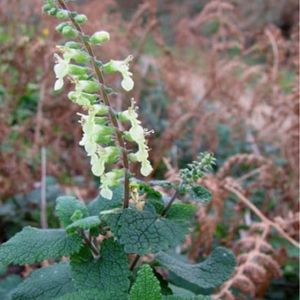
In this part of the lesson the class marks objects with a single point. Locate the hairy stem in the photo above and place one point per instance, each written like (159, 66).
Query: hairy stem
(89, 243)
(112, 116)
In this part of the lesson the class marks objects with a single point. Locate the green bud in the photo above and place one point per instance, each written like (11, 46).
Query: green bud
(62, 14)
(99, 37)
(81, 19)
(113, 154)
(73, 45)
(89, 86)
(103, 139)
(82, 98)
(123, 117)
(100, 120)
(127, 136)
(81, 57)
(52, 11)
(69, 32)
(105, 130)
(77, 70)
(60, 27)
(101, 109)
(46, 8)
(132, 157)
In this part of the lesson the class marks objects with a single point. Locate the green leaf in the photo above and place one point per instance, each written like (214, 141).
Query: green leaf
(208, 274)
(34, 245)
(7, 285)
(46, 283)
(85, 224)
(181, 212)
(65, 208)
(199, 297)
(109, 273)
(90, 294)
(100, 203)
(200, 194)
(143, 232)
(146, 285)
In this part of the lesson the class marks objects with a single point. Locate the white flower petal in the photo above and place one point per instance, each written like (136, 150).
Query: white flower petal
(127, 83)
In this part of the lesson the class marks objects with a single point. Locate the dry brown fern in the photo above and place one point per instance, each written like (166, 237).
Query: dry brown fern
(257, 264)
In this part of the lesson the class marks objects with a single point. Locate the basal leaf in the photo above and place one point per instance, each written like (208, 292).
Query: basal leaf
(208, 274)
(65, 208)
(90, 294)
(199, 297)
(109, 273)
(146, 285)
(45, 284)
(34, 245)
(144, 232)
(85, 223)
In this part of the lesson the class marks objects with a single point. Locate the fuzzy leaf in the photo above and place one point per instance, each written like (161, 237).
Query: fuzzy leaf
(65, 208)
(34, 245)
(200, 194)
(199, 297)
(208, 274)
(109, 273)
(45, 284)
(7, 285)
(90, 294)
(143, 232)
(146, 285)
(86, 223)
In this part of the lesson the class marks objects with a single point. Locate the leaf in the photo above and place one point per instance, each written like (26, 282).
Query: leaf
(90, 294)
(109, 273)
(200, 194)
(144, 232)
(100, 203)
(85, 224)
(208, 274)
(199, 297)
(146, 285)
(34, 245)
(7, 285)
(46, 283)
(65, 208)
(181, 212)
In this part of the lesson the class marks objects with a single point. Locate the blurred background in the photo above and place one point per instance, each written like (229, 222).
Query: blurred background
(217, 76)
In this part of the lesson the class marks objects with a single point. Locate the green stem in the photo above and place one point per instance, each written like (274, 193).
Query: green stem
(112, 116)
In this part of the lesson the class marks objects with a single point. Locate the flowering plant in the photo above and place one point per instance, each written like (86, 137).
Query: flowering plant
(103, 242)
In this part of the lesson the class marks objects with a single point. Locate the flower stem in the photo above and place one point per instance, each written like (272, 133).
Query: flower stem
(112, 116)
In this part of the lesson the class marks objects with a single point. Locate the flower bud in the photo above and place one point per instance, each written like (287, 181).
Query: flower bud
(101, 109)
(100, 120)
(62, 14)
(103, 130)
(77, 70)
(82, 98)
(80, 57)
(73, 45)
(89, 86)
(47, 7)
(99, 37)
(60, 27)
(81, 19)
(113, 154)
(52, 11)
(69, 32)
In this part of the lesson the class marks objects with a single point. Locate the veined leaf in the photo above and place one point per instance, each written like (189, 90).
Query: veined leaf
(85, 223)
(208, 274)
(34, 245)
(45, 284)
(146, 285)
(109, 273)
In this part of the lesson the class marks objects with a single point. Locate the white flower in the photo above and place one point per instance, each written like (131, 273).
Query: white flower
(109, 180)
(121, 66)
(138, 135)
(61, 69)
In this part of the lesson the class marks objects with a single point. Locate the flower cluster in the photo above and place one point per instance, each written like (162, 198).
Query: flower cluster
(99, 136)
